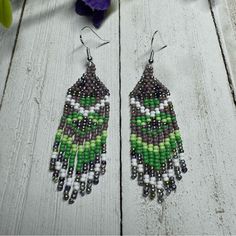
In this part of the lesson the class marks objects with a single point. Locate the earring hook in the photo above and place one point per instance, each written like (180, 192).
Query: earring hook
(89, 57)
(151, 58)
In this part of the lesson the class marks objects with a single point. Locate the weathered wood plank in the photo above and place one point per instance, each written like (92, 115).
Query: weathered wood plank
(7, 42)
(192, 68)
(49, 59)
(225, 20)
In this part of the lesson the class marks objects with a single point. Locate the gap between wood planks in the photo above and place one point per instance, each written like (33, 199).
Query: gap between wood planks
(120, 124)
(223, 53)
(229, 76)
(13, 52)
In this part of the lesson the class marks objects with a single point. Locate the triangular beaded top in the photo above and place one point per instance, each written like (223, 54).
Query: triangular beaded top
(80, 144)
(156, 144)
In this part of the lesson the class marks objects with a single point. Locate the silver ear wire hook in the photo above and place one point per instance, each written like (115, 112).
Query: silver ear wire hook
(151, 58)
(89, 57)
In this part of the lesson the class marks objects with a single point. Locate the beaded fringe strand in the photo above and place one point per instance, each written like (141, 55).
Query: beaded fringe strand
(79, 149)
(156, 145)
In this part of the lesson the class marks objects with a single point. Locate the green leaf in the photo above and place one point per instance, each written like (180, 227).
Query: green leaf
(5, 13)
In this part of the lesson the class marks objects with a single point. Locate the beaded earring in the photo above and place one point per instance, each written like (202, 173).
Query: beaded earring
(79, 149)
(156, 145)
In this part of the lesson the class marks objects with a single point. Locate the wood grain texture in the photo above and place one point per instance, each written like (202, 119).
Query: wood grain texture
(7, 42)
(193, 69)
(48, 60)
(225, 19)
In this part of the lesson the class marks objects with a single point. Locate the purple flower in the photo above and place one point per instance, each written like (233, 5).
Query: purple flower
(93, 8)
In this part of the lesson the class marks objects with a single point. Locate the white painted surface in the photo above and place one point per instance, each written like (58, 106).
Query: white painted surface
(49, 58)
(7, 41)
(225, 17)
(192, 68)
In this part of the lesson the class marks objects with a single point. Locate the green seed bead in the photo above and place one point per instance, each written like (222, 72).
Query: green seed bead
(158, 117)
(69, 121)
(100, 121)
(139, 122)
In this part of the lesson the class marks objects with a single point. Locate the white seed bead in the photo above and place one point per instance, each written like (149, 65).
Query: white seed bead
(97, 169)
(166, 103)
(147, 110)
(54, 156)
(104, 157)
(84, 176)
(153, 179)
(86, 113)
(82, 179)
(153, 113)
(170, 172)
(76, 107)
(176, 164)
(152, 182)
(160, 182)
(161, 106)
(142, 111)
(169, 99)
(63, 175)
(72, 102)
(166, 179)
(97, 165)
(102, 104)
(159, 186)
(132, 100)
(134, 162)
(142, 108)
(181, 156)
(58, 163)
(97, 106)
(140, 169)
(148, 114)
(76, 187)
(157, 111)
(81, 110)
(57, 167)
(146, 176)
(91, 175)
(69, 181)
(106, 97)
(146, 181)
(63, 171)
(140, 165)
(164, 175)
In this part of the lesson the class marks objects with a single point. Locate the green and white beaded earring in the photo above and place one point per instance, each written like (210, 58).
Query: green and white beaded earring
(79, 150)
(156, 145)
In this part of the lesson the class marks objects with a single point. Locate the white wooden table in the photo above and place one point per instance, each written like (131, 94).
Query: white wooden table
(41, 56)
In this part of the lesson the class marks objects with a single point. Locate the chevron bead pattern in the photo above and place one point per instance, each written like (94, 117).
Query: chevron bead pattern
(79, 150)
(156, 146)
